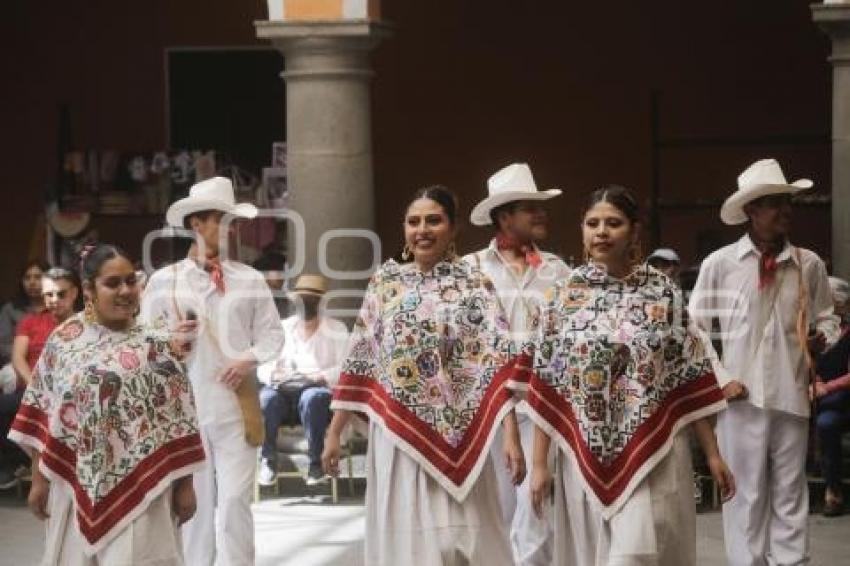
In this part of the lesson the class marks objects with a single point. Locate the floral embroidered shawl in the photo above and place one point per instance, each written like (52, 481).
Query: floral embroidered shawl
(113, 418)
(427, 362)
(616, 374)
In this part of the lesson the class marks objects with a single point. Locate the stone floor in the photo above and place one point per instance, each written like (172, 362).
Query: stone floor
(308, 531)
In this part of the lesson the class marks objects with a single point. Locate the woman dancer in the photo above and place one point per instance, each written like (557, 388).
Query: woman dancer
(616, 377)
(110, 423)
(424, 366)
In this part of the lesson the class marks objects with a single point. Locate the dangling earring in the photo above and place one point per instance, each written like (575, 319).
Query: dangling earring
(451, 251)
(405, 252)
(586, 256)
(88, 312)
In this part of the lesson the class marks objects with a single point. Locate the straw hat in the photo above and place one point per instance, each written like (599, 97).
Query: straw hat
(311, 285)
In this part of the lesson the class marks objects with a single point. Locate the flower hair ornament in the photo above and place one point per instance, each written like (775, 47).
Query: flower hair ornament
(85, 252)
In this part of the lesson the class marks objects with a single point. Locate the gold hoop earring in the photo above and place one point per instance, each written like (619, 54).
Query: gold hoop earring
(88, 312)
(405, 252)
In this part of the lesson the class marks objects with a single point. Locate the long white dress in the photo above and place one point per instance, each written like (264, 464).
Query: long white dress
(656, 526)
(412, 520)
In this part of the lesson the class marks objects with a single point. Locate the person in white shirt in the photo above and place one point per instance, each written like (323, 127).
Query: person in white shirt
(521, 273)
(297, 386)
(773, 304)
(237, 328)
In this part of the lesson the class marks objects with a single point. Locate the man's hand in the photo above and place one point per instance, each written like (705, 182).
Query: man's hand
(184, 337)
(817, 343)
(735, 391)
(236, 372)
(818, 389)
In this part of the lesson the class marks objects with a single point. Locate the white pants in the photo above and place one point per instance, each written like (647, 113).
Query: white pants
(655, 527)
(766, 522)
(412, 521)
(153, 539)
(222, 530)
(531, 538)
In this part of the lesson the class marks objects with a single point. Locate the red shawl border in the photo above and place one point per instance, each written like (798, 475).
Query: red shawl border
(96, 520)
(457, 464)
(610, 483)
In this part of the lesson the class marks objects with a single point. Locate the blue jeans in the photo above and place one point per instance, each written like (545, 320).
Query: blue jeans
(832, 422)
(314, 413)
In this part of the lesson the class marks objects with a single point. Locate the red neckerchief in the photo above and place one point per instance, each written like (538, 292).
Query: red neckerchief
(532, 256)
(767, 269)
(212, 265)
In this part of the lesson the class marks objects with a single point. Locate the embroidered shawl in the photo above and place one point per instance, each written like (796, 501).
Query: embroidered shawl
(427, 361)
(616, 374)
(113, 418)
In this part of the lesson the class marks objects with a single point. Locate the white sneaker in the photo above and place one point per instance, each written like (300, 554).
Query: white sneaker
(316, 476)
(267, 474)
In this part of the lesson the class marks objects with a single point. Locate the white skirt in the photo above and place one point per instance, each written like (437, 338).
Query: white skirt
(656, 526)
(410, 519)
(153, 539)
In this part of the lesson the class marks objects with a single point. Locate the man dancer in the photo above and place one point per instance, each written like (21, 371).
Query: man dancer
(521, 273)
(238, 327)
(766, 294)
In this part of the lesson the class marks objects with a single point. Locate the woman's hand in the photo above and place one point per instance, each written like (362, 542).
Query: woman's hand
(331, 454)
(514, 458)
(540, 487)
(183, 499)
(39, 491)
(722, 477)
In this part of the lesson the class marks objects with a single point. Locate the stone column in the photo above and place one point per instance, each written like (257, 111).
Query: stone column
(328, 133)
(834, 19)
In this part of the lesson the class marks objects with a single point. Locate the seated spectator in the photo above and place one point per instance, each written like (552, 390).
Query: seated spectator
(27, 301)
(666, 261)
(60, 290)
(297, 386)
(831, 393)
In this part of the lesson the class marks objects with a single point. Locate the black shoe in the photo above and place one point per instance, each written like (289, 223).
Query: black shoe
(316, 476)
(833, 508)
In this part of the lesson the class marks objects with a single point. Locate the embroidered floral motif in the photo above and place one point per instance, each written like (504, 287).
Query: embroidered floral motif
(108, 407)
(614, 352)
(433, 341)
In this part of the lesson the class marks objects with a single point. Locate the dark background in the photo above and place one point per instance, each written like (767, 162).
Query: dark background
(464, 88)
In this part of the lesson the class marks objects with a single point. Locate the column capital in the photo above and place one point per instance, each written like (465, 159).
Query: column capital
(834, 20)
(324, 34)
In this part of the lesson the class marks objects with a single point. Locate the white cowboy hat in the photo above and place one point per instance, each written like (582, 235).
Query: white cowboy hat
(665, 254)
(510, 184)
(212, 194)
(762, 178)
